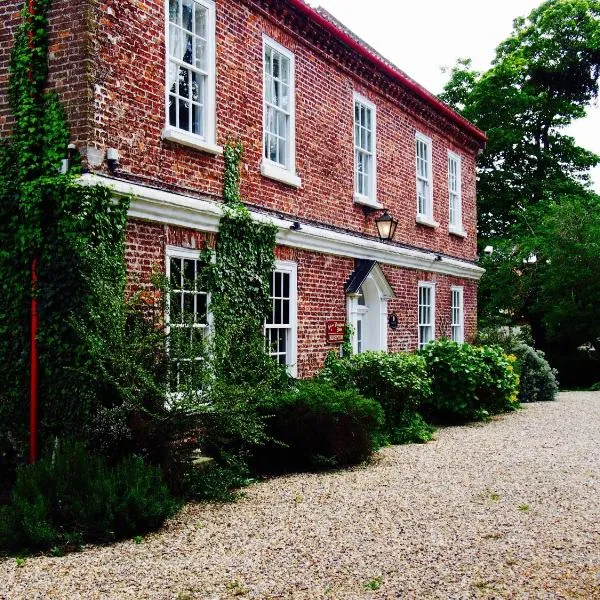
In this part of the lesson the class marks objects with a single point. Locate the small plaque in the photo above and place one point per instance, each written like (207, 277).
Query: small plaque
(335, 331)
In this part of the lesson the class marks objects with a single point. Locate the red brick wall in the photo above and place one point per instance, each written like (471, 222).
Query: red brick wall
(321, 281)
(70, 61)
(129, 86)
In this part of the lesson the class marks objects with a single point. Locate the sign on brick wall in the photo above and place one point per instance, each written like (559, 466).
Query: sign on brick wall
(335, 331)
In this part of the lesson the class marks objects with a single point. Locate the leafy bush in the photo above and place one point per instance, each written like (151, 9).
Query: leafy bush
(317, 426)
(469, 382)
(538, 378)
(398, 381)
(74, 495)
(413, 430)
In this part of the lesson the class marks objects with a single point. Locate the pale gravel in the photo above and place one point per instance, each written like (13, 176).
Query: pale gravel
(440, 520)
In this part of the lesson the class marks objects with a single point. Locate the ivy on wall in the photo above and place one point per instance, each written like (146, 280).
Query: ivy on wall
(77, 236)
(240, 284)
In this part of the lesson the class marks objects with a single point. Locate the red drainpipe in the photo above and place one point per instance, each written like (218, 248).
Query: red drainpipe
(406, 82)
(33, 383)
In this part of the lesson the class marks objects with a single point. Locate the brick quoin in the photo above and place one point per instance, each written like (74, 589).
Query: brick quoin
(107, 63)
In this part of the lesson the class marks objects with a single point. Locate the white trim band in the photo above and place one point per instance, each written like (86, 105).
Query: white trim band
(151, 204)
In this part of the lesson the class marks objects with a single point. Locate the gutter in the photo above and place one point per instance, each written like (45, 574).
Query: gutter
(407, 83)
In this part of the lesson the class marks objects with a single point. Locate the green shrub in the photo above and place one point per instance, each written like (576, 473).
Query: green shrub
(538, 378)
(412, 430)
(469, 382)
(71, 494)
(316, 426)
(398, 381)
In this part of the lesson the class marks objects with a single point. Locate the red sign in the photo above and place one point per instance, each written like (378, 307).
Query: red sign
(335, 331)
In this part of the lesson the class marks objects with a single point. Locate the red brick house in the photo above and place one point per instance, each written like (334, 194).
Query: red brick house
(333, 134)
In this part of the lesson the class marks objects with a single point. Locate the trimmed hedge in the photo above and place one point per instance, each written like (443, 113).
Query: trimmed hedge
(316, 426)
(469, 382)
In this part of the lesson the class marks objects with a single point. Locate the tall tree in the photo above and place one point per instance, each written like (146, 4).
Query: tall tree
(535, 203)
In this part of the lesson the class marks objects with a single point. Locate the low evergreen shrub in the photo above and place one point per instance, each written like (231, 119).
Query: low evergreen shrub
(469, 382)
(538, 379)
(71, 494)
(316, 426)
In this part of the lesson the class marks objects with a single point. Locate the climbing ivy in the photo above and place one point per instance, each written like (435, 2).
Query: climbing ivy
(240, 285)
(76, 236)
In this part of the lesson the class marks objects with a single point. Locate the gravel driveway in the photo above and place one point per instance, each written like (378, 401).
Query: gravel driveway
(509, 509)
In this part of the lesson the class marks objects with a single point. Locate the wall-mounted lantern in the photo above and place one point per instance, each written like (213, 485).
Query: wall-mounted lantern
(386, 226)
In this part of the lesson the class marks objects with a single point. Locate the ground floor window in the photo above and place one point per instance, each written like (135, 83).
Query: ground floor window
(187, 318)
(457, 315)
(426, 313)
(281, 323)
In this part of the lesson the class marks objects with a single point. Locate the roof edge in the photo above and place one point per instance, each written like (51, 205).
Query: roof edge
(404, 80)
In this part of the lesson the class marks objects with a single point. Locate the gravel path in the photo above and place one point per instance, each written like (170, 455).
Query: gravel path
(510, 509)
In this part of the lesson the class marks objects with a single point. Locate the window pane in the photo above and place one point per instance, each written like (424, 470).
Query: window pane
(174, 11)
(202, 308)
(184, 82)
(276, 65)
(200, 49)
(286, 284)
(175, 273)
(175, 308)
(278, 312)
(200, 23)
(197, 119)
(187, 14)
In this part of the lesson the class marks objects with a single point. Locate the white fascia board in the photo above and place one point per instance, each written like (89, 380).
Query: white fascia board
(151, 204)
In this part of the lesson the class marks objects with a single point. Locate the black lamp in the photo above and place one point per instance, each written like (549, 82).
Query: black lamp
(386, 226)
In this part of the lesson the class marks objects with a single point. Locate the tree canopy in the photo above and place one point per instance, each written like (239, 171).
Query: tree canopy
(535, 202)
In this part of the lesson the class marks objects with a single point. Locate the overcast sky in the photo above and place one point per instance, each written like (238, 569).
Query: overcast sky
(423, 36)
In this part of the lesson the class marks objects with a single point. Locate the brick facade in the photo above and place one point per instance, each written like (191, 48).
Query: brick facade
(107, 63)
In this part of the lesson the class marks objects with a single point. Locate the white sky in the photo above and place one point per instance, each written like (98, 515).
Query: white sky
(423, 36)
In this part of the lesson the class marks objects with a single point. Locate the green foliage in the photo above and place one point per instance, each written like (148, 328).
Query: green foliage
(537, 379)
(469, 382)
(534, 197)
(240, 287)
(413, 429)
(398, 381)
(76, 236)
(74, 495)
(316, 426)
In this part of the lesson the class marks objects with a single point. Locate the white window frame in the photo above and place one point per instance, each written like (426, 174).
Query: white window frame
(455, 225)
(191, 254)
(425, 217)
(431, 286)
(457, 326)
(290, 268)
(369, 199)
(283, 173)
(207, 142)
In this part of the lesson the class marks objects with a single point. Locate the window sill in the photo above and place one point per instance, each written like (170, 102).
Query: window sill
(423, 220)
(366, 201)
(280, 174)
(178, 136)
(458, 232)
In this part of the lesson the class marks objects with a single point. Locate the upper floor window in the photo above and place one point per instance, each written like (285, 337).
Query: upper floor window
(426, 313)
(365, 185)
(191, 73)
(279, 153)
(187, 317)
(281, 326)
(424, 179)
(454, 193)
(456, 315)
